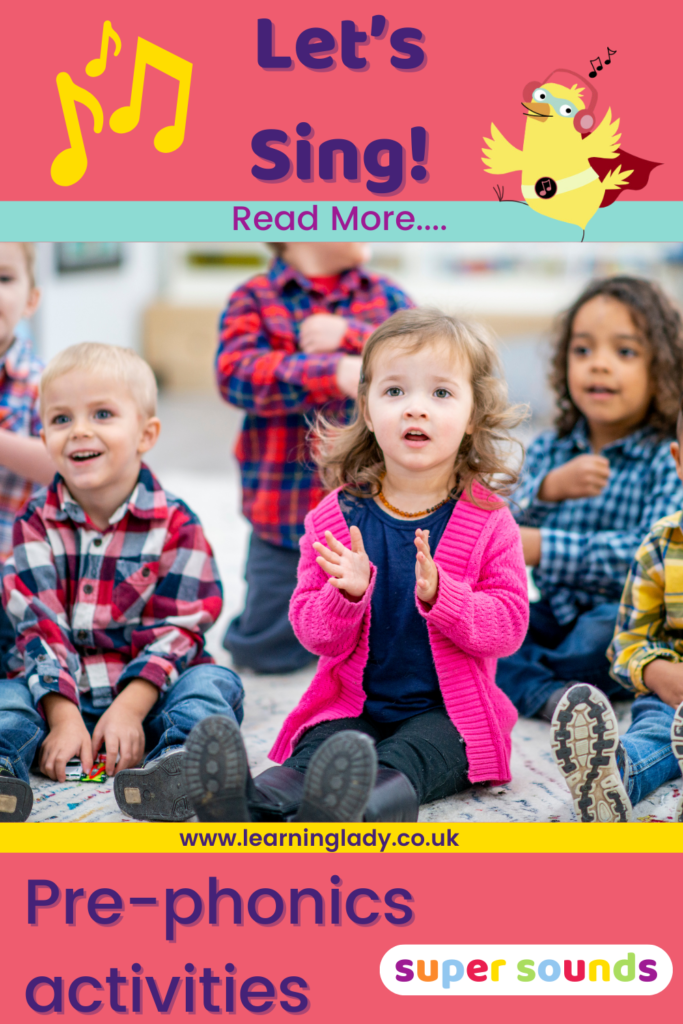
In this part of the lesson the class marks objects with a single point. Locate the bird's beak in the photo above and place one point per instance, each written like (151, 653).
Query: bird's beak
(539, 110)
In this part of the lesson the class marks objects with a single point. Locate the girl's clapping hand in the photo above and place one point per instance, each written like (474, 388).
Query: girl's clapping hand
(348, 570)
(426, 572)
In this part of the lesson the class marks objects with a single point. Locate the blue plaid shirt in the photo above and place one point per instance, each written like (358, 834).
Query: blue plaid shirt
(588, 544)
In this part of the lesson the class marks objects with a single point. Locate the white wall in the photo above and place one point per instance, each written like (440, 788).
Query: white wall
(95, 305)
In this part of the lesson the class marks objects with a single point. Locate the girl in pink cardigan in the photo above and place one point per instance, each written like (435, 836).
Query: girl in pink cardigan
(408, 622)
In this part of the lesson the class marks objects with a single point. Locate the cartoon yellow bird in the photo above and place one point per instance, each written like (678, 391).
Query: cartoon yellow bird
(568, 168)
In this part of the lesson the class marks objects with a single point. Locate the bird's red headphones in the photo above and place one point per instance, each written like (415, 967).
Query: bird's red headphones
(584, 120)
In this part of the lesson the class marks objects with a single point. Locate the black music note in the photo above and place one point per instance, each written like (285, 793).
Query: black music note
(547, 186)
(593, 73)
(610, 54)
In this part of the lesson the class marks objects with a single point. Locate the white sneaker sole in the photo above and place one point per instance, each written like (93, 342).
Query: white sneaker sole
(584, 737)
(677, 747)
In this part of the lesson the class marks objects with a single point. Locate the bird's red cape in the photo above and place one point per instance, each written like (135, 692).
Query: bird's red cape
(639, 179)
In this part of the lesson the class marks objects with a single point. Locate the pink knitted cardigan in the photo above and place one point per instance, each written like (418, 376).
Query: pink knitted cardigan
(480, 614)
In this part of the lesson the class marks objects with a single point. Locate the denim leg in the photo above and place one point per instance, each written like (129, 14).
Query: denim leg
(649, 758)
(553, 655)
(200, 691)
(22, 728)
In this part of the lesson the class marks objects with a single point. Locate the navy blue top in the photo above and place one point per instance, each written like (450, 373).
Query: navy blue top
(400, 678)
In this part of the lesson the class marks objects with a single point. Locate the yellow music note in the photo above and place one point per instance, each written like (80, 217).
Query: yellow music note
(95, 67)
(70, 165)
(125, 119)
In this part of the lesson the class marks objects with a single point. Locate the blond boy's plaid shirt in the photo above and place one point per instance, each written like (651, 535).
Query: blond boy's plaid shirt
(650, 621)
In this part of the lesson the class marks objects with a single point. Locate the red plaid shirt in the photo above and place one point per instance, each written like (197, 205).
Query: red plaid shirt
(94, 609)
(261, 370)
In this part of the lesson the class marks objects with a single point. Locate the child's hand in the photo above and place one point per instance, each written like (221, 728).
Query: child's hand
(321, 332)
(426, 572)
(583, 477)
(348, 375)
(665, 679)
(120, 727)
(348, 570)
(68, 737)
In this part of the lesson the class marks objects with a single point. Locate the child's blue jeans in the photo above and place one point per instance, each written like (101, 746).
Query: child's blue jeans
(198, 692)
(553, 655)
(649, 758)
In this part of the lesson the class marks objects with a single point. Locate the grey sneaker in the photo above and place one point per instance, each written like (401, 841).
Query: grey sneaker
(584, 738)
(677, 747)
(157, 792)
(339, 779)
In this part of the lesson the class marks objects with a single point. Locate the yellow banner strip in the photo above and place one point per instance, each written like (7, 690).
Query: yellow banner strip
(453, 838)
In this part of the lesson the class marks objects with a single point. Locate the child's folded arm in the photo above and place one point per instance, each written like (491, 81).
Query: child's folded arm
(258, 378)
(640, 632)
(34, 601)
(324, 619)
(600, 561)
(489, 619)
(186, 601)
(358, 331)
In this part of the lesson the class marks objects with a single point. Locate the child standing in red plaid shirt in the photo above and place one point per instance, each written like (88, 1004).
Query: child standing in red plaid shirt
(110, 587)
(290, 344)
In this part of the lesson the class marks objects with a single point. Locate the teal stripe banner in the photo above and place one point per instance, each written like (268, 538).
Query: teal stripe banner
(324, 221)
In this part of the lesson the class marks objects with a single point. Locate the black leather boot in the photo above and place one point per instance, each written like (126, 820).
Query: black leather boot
(392, 799)
(275, 794)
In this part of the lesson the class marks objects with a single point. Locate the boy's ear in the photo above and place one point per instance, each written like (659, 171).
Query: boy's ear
(149, 435)
(42, 435)
(32, 303)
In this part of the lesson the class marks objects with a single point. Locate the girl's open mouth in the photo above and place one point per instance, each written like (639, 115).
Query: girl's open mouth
(415, 438)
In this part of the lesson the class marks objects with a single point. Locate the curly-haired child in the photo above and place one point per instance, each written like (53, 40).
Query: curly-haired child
(592, 488)
(411, 583)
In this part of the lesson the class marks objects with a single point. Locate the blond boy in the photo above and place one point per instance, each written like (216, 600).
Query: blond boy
(110, 587)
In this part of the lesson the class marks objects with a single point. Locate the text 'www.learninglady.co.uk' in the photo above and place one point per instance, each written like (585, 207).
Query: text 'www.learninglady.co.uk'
(299, 837)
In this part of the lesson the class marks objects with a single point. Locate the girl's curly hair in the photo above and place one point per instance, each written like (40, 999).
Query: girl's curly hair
(349, 456)
(660, 322)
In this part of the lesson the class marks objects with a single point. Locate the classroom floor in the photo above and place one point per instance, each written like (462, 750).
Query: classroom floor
(193, 460)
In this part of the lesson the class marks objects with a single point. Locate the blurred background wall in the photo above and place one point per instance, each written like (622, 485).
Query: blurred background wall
(164, 299)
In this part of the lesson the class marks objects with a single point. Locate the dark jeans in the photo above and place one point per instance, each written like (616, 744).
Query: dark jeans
(553, 655)
(428, 749)
(261, 637)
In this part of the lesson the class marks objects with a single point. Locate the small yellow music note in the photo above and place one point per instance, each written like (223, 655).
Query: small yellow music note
(125, 119)
(95, 67)
(70, 165)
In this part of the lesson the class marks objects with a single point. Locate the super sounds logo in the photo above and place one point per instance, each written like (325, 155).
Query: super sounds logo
(526, 970)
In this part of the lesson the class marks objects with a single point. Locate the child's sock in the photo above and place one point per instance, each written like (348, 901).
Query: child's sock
(16, 797)
(584, 739)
